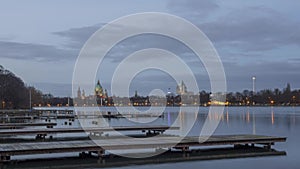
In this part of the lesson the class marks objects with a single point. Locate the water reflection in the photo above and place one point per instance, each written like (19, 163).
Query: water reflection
(186, 122)
(248, 117)
(253, 124)
(252, 119)
(272, 115)
(227, 116)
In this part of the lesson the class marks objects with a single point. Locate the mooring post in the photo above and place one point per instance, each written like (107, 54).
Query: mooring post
(149, 133)
(100, 156)
(185, 151)
(81, 154)
(4, 158)
(268, 146)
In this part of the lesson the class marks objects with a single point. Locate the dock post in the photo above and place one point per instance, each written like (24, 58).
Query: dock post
(185, 151)
(268, 146)
(5, 158)
(100, 156)
(82, 155)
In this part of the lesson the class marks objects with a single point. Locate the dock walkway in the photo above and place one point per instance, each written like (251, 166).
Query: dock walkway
(169, 142)
(42, 133)
(19, 125)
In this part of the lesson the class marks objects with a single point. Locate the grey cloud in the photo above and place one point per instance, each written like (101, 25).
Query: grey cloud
(253, 29)
(250, 28)
(78, 36)
(30, 51)
(295, 60)
(193, 8)
(249, 33)
(127, 47)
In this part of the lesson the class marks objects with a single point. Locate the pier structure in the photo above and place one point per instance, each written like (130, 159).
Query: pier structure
(22, 125)
(94, 131)
(61, 113)
(100, 146)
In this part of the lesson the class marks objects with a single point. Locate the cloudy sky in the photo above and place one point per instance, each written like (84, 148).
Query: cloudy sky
(40, 40)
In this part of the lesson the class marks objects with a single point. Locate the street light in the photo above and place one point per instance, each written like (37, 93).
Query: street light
(253, 89)
(253, 84)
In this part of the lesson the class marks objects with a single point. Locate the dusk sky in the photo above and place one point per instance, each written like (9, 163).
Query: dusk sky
(40, 40)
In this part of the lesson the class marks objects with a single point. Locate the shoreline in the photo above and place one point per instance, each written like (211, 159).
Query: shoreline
(66, 107)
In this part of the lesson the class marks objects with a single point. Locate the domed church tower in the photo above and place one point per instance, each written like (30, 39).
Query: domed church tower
(98, 89)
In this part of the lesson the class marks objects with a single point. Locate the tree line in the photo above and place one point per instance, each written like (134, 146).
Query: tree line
(14, 94)
(283, 97)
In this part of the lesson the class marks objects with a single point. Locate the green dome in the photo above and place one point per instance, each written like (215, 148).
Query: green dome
(98, 88)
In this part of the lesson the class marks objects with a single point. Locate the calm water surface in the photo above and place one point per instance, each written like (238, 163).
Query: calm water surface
(273, 121)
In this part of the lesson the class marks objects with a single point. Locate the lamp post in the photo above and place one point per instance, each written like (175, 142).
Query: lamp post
(253, 89)
(253, 84)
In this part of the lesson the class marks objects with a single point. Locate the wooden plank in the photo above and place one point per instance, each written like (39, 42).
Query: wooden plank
(80, 130)
(26, 124)
(119, 161)
(129, 143)
(16, 111)
(19, 117)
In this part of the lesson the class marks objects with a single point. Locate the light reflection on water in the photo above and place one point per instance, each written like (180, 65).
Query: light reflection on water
(274, 121)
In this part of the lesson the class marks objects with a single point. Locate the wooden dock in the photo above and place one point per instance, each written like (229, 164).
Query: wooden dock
(79, 116)
(18, 111)
(20, 125)
(42, 133)
(89, 161)
(161, 142)
(19, 117)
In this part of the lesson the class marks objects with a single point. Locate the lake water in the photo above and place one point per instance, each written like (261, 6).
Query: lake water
(273, 121)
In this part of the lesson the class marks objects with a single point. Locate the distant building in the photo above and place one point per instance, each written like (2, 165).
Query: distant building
(186, 97)
(100, 95)
(137, 100)
(83, 94)
(99, 90)
(181, 88)
(170, 94)
(218, 98)
(79, 93)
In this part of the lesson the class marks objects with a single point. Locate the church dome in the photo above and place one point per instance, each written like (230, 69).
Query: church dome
(98, 88)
